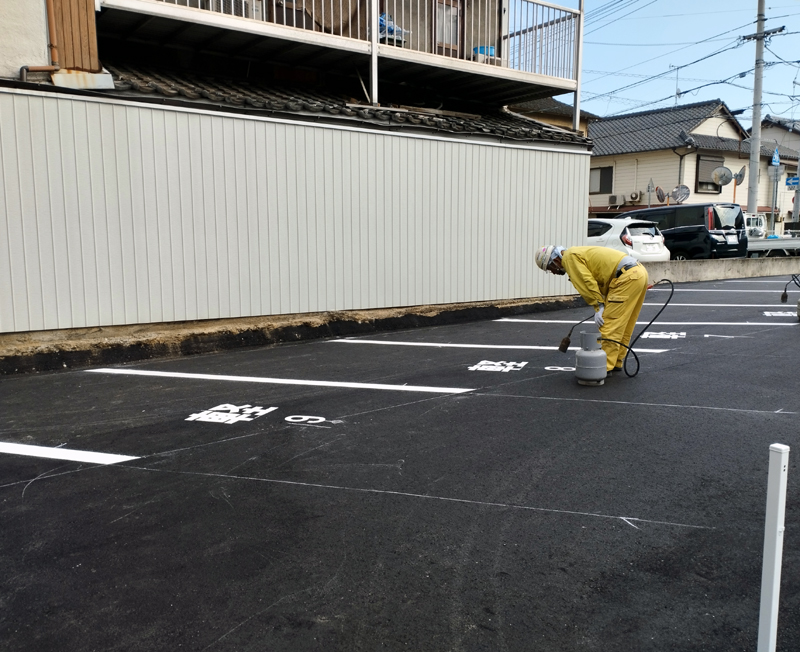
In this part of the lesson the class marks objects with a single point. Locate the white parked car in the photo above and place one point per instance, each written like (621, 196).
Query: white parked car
(638, 238)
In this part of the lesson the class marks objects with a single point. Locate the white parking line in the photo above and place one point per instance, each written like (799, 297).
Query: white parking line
(723, 305)
(284, 381)
(63, 454)
(716, 290)
(475, 346)
(665, 323)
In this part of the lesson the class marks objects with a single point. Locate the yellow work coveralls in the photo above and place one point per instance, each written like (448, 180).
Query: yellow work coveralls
(592, 270)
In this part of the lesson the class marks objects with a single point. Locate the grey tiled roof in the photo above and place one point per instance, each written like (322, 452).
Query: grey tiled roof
(649, 130)
(734, 145)
(552, 106)
(786, 123)
(266, 98)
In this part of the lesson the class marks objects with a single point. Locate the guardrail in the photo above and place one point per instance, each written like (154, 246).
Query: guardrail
(524, 35)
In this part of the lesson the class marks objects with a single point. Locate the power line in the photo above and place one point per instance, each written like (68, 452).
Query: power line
(661, 56)
(667, 72)
(620, 18)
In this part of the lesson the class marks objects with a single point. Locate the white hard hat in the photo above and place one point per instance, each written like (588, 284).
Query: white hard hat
(546, 254)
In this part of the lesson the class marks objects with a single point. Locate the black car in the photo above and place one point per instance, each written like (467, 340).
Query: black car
(699, 230)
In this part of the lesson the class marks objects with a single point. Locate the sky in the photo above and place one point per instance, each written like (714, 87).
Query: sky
(637, 52)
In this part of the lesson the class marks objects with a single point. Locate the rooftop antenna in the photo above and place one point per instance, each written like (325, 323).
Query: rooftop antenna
(677, 90)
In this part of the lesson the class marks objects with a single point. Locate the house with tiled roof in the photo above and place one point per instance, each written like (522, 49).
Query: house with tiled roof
(676, 146)
(783, 132)
(180, 160)
(553, 112)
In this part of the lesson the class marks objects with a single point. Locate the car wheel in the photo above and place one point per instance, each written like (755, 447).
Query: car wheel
(680, 255)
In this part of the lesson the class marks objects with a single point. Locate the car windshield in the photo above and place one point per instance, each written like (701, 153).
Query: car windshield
(729, 216)
(642, 229)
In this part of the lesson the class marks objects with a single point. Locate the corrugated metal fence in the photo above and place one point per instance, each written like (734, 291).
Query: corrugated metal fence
(116, 213)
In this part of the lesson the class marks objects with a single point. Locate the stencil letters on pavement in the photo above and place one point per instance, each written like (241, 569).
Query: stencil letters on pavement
(779, 314)
(663, 336)
(227, 413)
(487, 365)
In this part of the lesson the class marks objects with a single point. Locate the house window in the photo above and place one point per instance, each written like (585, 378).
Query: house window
(705, 167)
(601, 180)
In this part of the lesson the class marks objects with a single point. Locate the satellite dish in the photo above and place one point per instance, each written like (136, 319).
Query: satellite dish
(680, 194)
(722, 176)
(739, 176)
(660, 194)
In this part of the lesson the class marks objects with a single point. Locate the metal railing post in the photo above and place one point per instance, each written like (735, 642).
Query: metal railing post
(773, 547)
(373, 49)
(576, 108)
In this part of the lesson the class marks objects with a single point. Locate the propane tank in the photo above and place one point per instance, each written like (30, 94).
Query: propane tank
(590, 360)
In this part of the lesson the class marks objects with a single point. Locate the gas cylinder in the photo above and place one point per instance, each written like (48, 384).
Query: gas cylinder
(590, 360)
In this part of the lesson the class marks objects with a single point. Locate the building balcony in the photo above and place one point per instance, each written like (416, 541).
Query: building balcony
(490, 51)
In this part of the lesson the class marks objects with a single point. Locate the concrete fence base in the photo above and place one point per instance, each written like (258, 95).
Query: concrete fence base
(686, 271)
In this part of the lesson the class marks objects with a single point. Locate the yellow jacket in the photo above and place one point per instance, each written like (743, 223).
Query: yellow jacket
(591, 270)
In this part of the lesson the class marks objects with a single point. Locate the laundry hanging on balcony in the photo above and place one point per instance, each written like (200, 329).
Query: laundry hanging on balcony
(387, 29)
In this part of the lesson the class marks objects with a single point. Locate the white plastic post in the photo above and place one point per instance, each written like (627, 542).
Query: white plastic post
(773, 547)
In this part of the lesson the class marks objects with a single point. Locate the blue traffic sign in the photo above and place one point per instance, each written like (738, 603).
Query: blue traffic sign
(792, 182)
(776, 159)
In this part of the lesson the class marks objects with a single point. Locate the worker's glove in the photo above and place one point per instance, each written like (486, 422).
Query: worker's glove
(598, 316)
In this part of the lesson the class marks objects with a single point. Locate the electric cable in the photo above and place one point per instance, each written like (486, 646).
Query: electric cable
(566, 341)
(795, 279)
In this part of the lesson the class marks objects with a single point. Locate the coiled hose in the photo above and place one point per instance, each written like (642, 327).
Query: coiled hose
(566, 341)
(796, 280)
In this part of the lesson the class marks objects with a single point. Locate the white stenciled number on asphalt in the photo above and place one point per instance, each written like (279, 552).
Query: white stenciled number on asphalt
(300, 418)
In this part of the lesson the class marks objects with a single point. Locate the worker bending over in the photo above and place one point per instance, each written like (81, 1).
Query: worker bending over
(611, 282)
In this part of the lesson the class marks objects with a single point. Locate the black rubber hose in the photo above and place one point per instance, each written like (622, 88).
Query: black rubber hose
(636, 339)
(796, 280)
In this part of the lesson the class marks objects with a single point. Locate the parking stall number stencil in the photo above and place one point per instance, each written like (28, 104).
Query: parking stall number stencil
(779, 314)
(663, 336)
(230, 414)
(502, 365)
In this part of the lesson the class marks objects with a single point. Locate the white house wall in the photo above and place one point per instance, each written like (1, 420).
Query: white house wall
(124, 213)
(633, 171)
(777, 135)
(722, 127)
(23, 36)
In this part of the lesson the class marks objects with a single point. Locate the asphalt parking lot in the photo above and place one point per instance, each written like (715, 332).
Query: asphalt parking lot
(447, 488)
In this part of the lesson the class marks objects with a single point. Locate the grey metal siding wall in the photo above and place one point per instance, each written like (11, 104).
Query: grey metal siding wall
(117, 213)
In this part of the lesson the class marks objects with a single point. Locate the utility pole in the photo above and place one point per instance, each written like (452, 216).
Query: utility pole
(755, 130)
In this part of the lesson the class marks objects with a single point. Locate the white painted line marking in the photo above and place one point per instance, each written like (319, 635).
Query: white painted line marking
(464, 501)
(284, 381)
(731, 337)
(716, 290)
(664, 323)
(63, 454)
(664, 405)
(479, 346)
(721, 305)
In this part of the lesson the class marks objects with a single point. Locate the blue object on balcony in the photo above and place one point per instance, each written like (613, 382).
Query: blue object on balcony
(387, 28)
(484, 49)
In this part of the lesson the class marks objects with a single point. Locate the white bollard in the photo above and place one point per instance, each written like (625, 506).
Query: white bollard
(773, 547)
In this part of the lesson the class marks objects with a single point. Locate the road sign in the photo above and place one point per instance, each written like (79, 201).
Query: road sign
(792, 182)
(776, 159)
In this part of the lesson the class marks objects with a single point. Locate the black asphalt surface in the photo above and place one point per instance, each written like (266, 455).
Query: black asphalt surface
(529, 513)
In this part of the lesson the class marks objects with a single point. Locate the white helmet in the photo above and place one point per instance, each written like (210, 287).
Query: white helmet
(546, 254)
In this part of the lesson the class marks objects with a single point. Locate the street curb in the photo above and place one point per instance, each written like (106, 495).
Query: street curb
(74, 348)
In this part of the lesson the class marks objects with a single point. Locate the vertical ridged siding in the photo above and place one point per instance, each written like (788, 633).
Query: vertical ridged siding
(124, 214)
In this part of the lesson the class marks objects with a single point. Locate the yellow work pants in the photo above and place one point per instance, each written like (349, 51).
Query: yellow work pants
(623, 303)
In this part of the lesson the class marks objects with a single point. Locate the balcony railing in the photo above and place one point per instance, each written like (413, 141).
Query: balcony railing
(523, 35)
